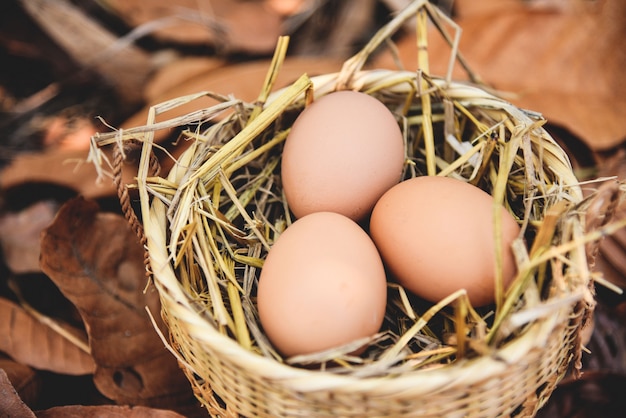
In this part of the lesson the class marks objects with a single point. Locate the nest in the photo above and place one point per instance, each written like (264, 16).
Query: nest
(209, 223)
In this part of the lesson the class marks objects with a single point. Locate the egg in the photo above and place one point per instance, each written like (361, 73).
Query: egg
(343, 152)
(436, 236)
(322, 285)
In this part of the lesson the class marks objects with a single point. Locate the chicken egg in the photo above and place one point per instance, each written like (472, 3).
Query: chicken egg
(436, 236)
(322, 285)
(343, 152)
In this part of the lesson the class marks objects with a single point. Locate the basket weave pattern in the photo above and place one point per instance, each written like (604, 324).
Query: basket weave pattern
(233, 388)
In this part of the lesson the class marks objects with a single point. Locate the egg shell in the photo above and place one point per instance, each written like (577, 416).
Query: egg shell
(343, 152)
(322, 285)
(436, 236)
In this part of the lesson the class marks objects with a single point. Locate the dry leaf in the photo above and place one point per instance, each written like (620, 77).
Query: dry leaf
(176, 72)
(611, 257)
(24, 379)
(229, 25)
(567, 63)
(124, 66)
(467, 9)
(19, 235)
(68, 133)
(10, 403)
(25, 339)
(60, 167)
(97, 263)
(108, 411)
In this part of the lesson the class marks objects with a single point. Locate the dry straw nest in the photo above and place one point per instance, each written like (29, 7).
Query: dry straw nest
(209, 223)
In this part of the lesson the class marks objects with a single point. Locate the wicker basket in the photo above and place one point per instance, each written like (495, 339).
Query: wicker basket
(204, 263)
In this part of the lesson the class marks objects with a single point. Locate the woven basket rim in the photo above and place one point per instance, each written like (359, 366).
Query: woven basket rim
(326, 83)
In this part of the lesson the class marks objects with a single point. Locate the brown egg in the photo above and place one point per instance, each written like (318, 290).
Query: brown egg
(436, 235)
(322, 285)
(343, 152)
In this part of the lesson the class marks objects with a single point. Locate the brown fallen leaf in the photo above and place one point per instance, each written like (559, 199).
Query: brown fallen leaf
(24, 379)
(176, 72)
(29, 341)
(228, 25)
(19, 235)
(10, 402)
(122, 64)
(68, 133)
(611, 257)
(565, 62)
(59, 167)
(108, 411)
(97, 263)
